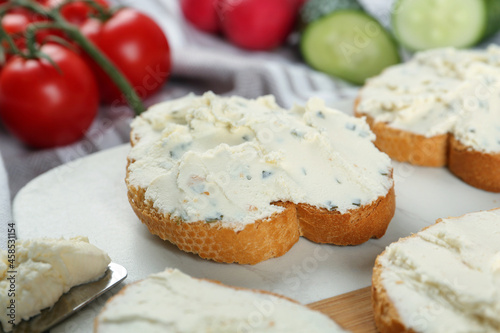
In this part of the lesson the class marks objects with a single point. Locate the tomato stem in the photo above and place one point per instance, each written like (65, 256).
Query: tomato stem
(100, 58)
(5, 7)
(30, 39)
(118, 78)
(104, 14)
(12, 45)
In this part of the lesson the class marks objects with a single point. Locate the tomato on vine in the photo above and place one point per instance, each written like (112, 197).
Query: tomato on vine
(48, 104)
(49, 94)
(137, 46)
(15, 24)
(77, 12)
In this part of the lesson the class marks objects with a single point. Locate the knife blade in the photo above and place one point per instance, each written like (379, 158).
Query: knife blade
(75, 299)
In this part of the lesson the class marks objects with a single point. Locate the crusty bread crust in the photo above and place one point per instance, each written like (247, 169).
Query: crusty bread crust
(268, 238)
(351, 228)
(476, 168)
(386, 315)
(404, 146)
(258, 241)
(481, 170)
(387, 318)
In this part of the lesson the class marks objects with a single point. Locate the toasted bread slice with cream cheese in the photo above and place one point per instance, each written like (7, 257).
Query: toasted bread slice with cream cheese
(405, 146)
(237, 180)
(443, 278)
(172, 301)
(440, 109)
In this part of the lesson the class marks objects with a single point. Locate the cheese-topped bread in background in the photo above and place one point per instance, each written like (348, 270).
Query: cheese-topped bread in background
(446, 278)
(45, 269)
(238, 180)
(440, 108)
(172, 301)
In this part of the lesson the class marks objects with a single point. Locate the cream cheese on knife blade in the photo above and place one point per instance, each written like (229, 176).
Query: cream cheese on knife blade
(43, 271)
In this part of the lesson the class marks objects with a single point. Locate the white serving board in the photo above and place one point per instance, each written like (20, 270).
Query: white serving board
(88, 197)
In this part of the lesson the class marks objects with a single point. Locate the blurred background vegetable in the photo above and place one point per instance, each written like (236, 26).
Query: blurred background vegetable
(342, 40)
(257, 24)
(426, 24)
(202, 14)
(340, 37)
(249, 24)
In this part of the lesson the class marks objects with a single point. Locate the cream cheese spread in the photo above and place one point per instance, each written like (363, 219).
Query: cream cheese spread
(446, 278)
(44, 270)
(172, 301)
(211, 158)
(441, 91)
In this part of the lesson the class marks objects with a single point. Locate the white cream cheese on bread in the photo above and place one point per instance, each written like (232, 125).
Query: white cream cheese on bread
(172, 301)
(44, 270)
(446, 278)
(441, 91)
(211, 158)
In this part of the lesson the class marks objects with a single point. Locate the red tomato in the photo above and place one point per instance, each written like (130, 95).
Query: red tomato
(77, 12)
(16, 20)
(43, 107)
(138, 48)
(14, 23)
(257, 24)
(202, 14)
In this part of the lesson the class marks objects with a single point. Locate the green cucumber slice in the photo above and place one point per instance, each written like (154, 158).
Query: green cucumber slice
(315, 9)
(348, 44)
(493, 13)
(426, 24)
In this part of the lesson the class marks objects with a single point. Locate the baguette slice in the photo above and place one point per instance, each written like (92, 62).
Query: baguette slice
(207, 174)
(172, 301)
(268, 238)
(441, 108)
(259, 241)
(474, 167)
(446, 278)
(481, 170)
(405, 146)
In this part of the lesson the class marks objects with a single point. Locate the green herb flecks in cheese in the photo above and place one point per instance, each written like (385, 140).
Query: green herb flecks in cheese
(229, 159)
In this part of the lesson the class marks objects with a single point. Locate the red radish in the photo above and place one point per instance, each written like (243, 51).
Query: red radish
(202, 14)
(257, 24)
(299, 4)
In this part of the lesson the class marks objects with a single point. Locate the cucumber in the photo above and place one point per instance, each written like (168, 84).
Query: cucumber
(425, 24)
(315, 9)
(492, 8)
(350, 44)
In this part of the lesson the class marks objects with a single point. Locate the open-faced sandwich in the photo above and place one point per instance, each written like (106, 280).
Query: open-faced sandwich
(238, 180)
(441, 108)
